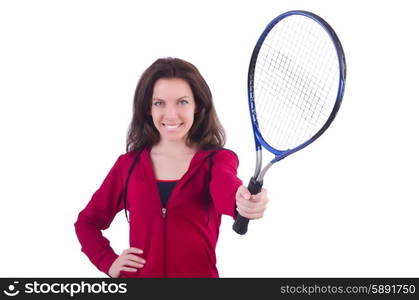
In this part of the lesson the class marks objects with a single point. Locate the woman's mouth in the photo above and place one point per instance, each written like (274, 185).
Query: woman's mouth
(172, 126)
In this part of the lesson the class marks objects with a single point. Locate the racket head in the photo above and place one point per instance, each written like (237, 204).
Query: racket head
(305, 69)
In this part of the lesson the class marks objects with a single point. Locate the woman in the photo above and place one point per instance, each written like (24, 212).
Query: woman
(176, 180)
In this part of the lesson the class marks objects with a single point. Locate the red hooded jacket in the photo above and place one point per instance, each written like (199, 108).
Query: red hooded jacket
(178, 243)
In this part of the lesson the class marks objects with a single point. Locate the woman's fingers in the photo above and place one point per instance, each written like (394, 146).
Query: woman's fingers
(130, 260)
(243, 192)
(253, 207)
(250, 216)
(251, 210)
(133, 250)
(134, 264)
(135, 258)
(254, 202)
(127, 269)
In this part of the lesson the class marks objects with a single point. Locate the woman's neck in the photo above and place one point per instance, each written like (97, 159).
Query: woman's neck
(173, 148)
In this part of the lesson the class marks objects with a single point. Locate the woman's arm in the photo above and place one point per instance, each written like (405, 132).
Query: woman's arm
(97, 216)
(224, 182)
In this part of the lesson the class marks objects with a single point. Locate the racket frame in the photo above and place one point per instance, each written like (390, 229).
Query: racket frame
(259, 140)
(256, 182)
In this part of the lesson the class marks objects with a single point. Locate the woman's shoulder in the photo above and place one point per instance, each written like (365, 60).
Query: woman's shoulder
(223, 155)
(128, 157)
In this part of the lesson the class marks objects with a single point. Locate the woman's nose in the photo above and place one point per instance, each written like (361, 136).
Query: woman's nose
(171, 111)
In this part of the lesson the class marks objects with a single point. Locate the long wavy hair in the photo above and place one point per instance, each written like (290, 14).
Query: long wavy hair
(206, 131)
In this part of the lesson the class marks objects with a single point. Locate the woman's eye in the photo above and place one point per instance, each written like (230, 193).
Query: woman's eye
(157, 103)
(183, 102)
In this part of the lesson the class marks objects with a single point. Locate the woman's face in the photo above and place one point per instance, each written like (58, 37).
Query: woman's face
(172, 108)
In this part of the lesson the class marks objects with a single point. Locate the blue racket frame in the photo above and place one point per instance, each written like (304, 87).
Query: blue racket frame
(259, 141)
(256, 182)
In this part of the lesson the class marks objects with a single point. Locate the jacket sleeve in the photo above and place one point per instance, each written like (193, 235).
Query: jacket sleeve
(224, 182)
(97, 216)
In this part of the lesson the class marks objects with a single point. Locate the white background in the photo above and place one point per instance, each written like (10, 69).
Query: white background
(345, 206)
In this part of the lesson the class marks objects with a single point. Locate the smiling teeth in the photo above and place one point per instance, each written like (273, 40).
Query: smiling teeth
(172, 126)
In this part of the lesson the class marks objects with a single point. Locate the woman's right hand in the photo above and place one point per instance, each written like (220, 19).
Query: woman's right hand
(128, 261)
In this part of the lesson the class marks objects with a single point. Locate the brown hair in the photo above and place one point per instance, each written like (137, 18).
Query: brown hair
(206, 130)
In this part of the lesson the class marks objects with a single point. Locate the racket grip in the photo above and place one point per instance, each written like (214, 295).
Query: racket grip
(241, 223)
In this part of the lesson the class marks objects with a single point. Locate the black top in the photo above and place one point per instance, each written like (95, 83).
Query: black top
(165, 189)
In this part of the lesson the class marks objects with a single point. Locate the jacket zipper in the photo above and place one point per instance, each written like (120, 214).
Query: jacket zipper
(164, 214)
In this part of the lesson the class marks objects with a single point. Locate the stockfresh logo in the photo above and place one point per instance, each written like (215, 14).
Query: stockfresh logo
(71, 289)
(12, 289)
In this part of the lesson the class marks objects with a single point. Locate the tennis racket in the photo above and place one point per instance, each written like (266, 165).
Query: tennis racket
(295, 86)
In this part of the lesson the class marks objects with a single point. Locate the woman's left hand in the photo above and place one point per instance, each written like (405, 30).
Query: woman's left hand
(251, 206)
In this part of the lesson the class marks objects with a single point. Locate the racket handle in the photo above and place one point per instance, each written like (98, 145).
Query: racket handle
(241, 223)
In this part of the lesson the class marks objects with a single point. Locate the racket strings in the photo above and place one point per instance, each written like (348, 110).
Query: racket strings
(299, 82)
(306, 89)
(295, 82)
